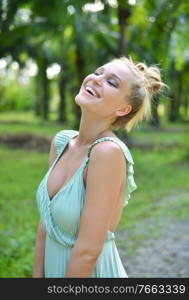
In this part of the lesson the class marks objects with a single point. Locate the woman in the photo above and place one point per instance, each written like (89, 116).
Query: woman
(90, 176)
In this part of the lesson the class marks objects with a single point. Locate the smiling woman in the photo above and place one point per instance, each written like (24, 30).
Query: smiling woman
(91, 176)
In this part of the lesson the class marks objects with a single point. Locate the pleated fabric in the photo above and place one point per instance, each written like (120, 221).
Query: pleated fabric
(61, 215)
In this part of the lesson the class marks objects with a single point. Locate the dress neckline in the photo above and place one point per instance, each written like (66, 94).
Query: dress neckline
(77, 170)
(53, 166)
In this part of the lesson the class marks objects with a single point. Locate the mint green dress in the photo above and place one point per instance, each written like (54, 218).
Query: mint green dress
(61, 215)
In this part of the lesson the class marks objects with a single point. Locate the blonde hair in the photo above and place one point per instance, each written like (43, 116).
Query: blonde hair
(145, 83)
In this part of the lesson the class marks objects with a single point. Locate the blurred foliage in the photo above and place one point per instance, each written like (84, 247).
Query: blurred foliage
(17, 97)
(79, 40)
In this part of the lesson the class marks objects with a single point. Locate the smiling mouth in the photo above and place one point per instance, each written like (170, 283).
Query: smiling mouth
(92, 92)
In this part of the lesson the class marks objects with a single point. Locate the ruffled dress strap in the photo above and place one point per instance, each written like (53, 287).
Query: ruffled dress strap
(130, 182)
(62, 137)
(44, 205)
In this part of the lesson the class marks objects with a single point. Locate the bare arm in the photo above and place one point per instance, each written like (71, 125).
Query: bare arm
(39, 252)
(38, 266)
(106, 174)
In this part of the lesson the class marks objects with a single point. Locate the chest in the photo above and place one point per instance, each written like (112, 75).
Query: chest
(64, 169)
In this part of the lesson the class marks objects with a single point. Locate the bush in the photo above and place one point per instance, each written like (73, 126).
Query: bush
(17, 97)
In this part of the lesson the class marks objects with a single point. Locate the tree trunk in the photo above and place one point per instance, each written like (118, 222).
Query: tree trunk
(42, 102)
(155, 122)
(80, 67)
(37, 106)
(123, 15)
(62, 89)
(175, 99)
(45, 94)
(76, 109)
(186, 104)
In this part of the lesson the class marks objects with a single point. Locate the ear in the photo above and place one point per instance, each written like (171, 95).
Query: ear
(124, 111)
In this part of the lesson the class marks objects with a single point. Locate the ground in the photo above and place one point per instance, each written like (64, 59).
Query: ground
(165, 250)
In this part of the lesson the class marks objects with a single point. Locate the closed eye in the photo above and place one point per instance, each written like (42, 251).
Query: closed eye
(96, 73)
(109, 81)
(112, 84)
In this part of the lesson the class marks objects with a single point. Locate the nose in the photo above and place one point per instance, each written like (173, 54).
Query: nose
(98, 79)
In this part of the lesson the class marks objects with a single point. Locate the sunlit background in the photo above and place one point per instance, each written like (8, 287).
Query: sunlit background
(46, 49)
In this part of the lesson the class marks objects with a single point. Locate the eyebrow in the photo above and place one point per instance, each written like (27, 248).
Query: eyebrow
(102, 69)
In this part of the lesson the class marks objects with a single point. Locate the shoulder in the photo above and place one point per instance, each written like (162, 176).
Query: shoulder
(107, 154)
(107, 171)
(52, 153)
(110, 145)
(107, 147)
(58, 141)
(64, 135)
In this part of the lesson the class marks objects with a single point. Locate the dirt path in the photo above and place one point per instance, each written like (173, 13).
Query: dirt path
(166, 256)
(161, 243)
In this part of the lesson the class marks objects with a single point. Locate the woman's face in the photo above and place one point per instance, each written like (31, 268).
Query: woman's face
(104, 91)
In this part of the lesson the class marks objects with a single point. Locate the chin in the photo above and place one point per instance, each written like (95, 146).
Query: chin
(78, 99)
(81, 100)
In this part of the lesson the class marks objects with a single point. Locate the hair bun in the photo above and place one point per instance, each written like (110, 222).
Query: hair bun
(152, 77)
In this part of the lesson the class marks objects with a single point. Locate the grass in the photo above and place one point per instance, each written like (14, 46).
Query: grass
(21, 173)
(22, 123)
(158, 174)
(169, 134)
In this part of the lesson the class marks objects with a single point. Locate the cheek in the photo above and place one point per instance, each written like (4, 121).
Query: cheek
(112, 97)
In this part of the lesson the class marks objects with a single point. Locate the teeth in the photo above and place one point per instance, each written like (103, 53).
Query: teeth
(90, 90)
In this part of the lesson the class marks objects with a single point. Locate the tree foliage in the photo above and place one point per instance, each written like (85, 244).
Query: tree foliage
(64, 32)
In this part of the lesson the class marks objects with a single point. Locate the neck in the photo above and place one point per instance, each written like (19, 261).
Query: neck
(91, 128)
